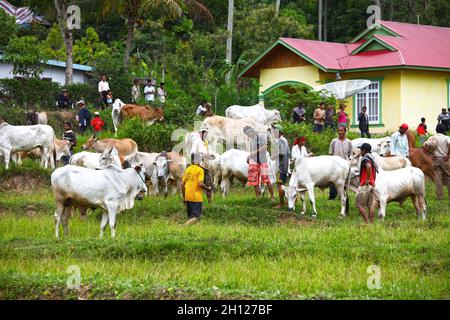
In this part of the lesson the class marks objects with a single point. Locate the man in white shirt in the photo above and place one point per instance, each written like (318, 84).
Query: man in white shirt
(439, 146)
(399, 142)
(103, 88)
(150, 91)
(340, 147)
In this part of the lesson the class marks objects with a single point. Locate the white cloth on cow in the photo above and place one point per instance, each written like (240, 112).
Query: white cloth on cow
(399, 145)
(298, 152)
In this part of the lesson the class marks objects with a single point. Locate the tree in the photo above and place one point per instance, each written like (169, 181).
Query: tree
(229, 53)
(320, 11)
(61, 9)
(134, 10)
(277, 7)
(26, 54)
(8, 27)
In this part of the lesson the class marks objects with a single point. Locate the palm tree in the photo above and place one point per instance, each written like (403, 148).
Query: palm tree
(133, 10)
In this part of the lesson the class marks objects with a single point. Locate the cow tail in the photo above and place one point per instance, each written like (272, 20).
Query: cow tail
(54, 150)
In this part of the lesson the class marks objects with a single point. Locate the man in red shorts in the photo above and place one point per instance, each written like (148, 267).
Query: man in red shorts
(258, 163)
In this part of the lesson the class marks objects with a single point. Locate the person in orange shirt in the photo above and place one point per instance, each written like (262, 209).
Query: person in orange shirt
(97, 123)
(191, 188)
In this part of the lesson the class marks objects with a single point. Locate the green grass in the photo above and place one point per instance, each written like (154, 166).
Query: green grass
(241, 249)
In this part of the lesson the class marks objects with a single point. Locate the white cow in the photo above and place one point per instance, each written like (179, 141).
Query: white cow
(397, 186)
(112, 189)
(386, 163)
(233, 164)
(27, 138)
(62, 148)
(257, 112)
(115, 114)
(96, 160)
(378, 145)
(169, 168)
(231, 131)
(148, 161)
(318, 172)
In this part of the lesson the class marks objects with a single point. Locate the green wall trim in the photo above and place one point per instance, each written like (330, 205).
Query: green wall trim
(370, 42)
(373, 31)
(282, 84)
(355, 110)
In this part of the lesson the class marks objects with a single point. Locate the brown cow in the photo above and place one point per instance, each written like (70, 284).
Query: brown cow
(145, 113)
(125, 147)
(419, 157)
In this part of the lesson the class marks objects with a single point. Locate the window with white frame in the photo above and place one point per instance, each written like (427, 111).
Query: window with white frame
(370, 98)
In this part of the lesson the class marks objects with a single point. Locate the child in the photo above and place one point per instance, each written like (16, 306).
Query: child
(109, 98)
(422, 131)
(97, 123)
(191, 188)
(69, 136)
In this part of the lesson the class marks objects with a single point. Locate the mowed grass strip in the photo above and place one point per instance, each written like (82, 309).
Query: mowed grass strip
(241, 249)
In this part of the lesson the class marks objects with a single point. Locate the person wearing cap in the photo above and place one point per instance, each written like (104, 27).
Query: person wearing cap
(162, 94)
(63, 100)
(258, 165)
(191, 189)
(281, 156)
(83, 116)
(200, 146)
(340, 147)
(97, 123)
(365, 197)
(299, 149)
(399, 142)
(439, 146)
(69, 136)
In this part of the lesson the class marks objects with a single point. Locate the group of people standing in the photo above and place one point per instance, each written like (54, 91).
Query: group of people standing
(155, 97)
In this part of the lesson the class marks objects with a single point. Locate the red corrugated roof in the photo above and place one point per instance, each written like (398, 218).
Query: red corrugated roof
(417, 46)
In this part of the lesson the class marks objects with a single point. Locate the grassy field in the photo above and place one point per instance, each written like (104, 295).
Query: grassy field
(241, 249)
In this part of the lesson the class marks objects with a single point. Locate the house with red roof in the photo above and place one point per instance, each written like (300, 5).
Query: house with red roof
(408, 64)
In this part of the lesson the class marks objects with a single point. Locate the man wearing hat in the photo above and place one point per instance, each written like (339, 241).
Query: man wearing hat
(366, 192)
(200, 146)
(444, 118)
(83, 116)
(281, 156)
(63, 100)
(258, 165)
(399, 142)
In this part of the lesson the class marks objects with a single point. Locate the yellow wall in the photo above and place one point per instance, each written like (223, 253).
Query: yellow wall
(423, 94)
(407, 95)
(308, 75)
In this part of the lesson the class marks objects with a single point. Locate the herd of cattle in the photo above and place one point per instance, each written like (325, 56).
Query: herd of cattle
(115, 175)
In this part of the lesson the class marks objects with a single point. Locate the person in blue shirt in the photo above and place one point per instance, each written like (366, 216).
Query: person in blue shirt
(84, 116)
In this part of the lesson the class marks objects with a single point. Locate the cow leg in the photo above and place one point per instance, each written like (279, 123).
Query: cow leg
(65, 219)
(312, 198)
(302, 198)
(103, 224)
(225, 184)
(58, 213)
(112, 220)
(423, 206)
(7, 156)
(382, 210)
(341, 192)
(155, 184)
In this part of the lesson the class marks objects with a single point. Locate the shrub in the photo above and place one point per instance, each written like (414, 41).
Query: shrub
(30, 93)
(319, 144)
(150, 138)
(80, 91)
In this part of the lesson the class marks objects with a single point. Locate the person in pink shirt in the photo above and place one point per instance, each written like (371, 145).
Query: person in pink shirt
(343, 120)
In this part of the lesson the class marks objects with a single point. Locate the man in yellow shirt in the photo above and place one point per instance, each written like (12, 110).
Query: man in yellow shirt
(192, 185)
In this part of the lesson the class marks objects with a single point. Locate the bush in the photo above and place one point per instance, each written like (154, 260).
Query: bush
(154, 138)
(319, 144)
(30, 93)
(83, 91)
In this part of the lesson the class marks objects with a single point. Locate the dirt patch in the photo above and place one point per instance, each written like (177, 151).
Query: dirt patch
(22, 184)
(290, 219)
